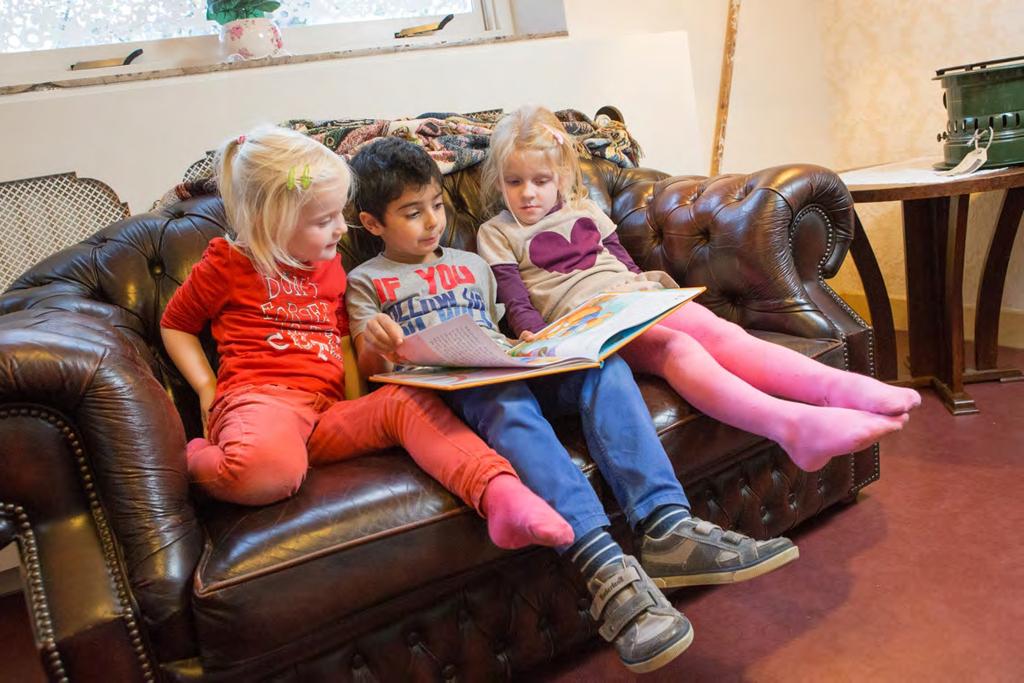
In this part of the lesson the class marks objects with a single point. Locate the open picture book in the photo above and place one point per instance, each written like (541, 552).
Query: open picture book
(457, 354)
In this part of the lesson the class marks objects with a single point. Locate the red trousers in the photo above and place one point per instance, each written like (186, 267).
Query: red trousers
(262, 439)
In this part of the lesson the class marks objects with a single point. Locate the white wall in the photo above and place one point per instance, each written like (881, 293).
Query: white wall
(139, 137)
(779, 97)
(781, 110)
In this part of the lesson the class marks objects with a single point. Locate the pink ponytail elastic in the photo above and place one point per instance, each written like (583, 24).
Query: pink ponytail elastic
(554, 133)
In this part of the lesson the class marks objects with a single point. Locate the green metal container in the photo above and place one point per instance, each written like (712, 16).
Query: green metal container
(980, 96)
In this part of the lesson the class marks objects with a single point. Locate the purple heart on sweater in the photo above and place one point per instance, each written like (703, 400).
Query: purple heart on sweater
(555, 254)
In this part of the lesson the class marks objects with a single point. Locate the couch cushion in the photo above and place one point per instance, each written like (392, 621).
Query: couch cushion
(269, 576)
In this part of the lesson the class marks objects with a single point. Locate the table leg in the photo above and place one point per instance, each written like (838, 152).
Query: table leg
(924, 246)
(990, 293)
(956, 399)
(934, 236)
(878, 302)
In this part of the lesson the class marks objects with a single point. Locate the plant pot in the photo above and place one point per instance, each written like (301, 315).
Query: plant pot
(250, 39)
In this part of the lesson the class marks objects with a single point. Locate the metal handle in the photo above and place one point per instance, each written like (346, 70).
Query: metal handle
(100, 63)
(969, 67)
(423, 29)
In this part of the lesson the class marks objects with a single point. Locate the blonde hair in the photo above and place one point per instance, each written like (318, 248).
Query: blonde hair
(532, 128)
(266, 177)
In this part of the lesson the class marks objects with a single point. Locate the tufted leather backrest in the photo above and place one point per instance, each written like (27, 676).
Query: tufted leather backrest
(127, 272)
(623, 194)
(742, 237)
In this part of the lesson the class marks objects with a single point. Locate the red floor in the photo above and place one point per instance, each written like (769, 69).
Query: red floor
(921, 580)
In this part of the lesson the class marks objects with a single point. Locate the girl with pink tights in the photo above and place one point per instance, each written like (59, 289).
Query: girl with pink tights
(273, 297)
(551, 248)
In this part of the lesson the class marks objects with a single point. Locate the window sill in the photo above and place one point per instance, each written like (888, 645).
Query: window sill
(176, 72)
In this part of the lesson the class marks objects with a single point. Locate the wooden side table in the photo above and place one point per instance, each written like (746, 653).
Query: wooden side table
(935, 215)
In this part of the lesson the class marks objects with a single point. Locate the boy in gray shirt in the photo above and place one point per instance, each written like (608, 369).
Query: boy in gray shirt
(418, 295)
(415, 283)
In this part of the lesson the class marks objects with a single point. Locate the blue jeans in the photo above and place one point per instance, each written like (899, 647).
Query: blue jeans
(513, 419)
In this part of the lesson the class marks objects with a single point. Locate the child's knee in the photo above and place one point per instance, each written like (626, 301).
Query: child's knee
(681, 345)
(615, 368)
(264, 475)
(704, 325)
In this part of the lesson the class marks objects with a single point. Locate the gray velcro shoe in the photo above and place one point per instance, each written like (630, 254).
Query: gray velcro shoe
(647, 631)
(698, 553)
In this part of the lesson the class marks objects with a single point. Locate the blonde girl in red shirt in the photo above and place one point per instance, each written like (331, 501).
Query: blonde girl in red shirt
(274, 298)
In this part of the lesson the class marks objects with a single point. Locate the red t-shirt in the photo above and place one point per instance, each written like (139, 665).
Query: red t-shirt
(269, 330)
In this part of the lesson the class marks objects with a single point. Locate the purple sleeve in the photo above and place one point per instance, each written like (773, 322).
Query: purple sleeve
(612, 244)
(512, 292)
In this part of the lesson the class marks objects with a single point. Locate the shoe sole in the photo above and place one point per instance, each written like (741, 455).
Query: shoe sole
(715, 578)
(664, 657)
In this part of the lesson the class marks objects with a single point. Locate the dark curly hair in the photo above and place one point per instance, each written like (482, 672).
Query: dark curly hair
(386, 168)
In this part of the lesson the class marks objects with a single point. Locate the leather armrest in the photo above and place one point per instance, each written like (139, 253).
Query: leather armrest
(761, 243)
(93, 475)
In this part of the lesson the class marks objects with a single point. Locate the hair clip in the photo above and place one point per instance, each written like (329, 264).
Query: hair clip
(555, 134)
(305, 180)
(241, 139)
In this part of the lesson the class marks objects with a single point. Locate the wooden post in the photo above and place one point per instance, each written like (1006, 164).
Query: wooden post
(725, 85)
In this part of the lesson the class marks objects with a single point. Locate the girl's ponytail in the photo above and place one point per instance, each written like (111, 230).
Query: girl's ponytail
(265, 179)
(223, 169)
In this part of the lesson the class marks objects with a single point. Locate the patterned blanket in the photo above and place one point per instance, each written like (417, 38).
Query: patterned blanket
(454, 141)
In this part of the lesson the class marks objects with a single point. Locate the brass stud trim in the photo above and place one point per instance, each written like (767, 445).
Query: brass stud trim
(37, 592)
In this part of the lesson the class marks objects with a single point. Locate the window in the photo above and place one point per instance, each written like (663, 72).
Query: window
(40, 39)
(49, 24)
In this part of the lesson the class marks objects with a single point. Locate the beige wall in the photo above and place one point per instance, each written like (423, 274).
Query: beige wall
(779, 83)
(847, 83)
(881, 56)
(779, 110)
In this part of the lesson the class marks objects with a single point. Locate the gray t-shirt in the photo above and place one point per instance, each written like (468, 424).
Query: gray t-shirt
(419, 295)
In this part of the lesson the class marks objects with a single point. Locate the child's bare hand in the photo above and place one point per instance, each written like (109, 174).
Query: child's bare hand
(205, 403)
(384, 337)
(527, 336)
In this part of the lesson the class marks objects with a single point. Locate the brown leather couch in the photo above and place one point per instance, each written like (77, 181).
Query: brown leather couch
(372, 571)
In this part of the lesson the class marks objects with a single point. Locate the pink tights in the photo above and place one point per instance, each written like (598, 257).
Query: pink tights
(813, 411)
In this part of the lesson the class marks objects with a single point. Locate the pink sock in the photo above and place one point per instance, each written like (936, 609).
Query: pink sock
(817, 434)
(517, 517)
(783, 372)
(810, 434)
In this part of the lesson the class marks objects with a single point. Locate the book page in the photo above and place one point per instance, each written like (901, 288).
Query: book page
(583, 332)
(449, 379)
(458, 342)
